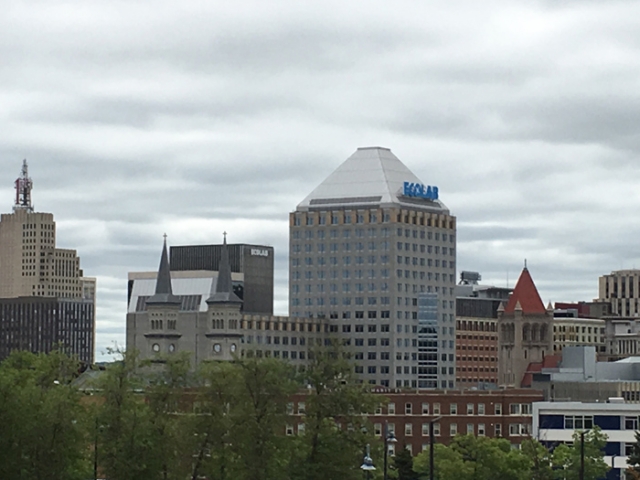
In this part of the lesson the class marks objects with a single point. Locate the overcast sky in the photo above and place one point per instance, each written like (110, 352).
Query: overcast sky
(193, 118)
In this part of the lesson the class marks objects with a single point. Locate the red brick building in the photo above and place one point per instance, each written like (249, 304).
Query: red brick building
(476, 351)
(491, 413)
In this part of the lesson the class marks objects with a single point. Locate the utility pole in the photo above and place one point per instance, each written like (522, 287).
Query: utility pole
(582, 455)
(432, 440)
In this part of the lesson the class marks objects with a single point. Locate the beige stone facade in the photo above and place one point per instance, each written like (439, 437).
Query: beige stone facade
(30, 263)
(621, 289)
(575, 331)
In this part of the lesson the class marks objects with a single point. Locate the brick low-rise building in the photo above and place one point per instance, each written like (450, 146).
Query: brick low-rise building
(492, 413)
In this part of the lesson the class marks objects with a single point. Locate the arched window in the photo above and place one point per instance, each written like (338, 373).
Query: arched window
(543, 333)
(535, 332)
(526, 332)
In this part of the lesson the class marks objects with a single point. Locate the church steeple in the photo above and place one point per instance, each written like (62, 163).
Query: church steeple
(164, 293)
(223, 292)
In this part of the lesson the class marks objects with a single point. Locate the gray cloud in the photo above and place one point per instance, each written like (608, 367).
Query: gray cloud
(141, 118)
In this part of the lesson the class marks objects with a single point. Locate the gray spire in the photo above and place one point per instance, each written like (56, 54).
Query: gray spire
(224, 288)
(164, 294)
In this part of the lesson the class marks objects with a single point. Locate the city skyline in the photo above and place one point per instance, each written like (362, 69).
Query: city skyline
(214, 118)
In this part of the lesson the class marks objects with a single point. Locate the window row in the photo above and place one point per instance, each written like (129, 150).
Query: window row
(470, 408)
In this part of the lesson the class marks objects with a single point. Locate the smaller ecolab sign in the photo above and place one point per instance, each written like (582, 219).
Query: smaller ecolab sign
(260, 252)
(419, 190)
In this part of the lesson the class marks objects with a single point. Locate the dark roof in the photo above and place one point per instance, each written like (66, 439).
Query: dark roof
(164, 294)
(224, 288)
(525, 296)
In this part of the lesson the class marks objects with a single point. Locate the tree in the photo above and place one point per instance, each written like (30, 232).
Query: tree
(167, 386)
(633, 471)
(403, 463)
(489, 458)
(448, 464)
(567, 459)
(538, 458)
(240, 419)
(128, 440)
(335, 431)
(475, 458)
(43, 422)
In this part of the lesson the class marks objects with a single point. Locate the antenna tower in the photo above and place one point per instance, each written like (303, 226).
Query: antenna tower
(23, 186)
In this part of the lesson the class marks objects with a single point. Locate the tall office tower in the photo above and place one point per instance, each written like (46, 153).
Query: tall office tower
(364, 246)
(32, 266)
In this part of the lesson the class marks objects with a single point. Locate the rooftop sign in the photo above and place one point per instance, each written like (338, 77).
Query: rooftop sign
(419, 190)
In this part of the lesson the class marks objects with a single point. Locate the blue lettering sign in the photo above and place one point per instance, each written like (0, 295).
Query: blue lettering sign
(419, 190)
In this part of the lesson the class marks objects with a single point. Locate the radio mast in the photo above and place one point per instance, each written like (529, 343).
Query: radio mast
(23, 186)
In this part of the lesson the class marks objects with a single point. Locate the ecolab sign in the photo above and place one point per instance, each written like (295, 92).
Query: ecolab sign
(419, 190)
(259, 252)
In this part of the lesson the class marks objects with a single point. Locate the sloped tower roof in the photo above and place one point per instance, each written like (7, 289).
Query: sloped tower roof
(224, 288)
(371, 176)
(164, 294)
(525, 297)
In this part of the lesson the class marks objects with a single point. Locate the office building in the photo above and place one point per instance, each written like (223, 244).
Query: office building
(477, 334)
(556, 422)
(41, 324)
(253, 263)
(571, 330)
(369, 248)
(203, 316)
(525, 332)
(194, 270)
(45, 299)
(621, 290)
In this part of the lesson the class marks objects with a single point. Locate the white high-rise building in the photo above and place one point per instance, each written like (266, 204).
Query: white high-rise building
(373, 250)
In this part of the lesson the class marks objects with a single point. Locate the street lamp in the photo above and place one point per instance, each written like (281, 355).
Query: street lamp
(432, 440)
(613, 461)
(367, 462)
(389, 438)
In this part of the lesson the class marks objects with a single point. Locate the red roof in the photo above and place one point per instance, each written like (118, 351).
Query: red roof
(527, 295)
(549, 361)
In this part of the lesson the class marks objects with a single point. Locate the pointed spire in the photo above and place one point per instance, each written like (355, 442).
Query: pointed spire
(549, 307)
(526, 296)
(518, 306)
(164, 293)
(501, 307)
(224, 287)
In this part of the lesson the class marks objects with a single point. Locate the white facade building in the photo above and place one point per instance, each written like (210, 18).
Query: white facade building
(556, 422)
